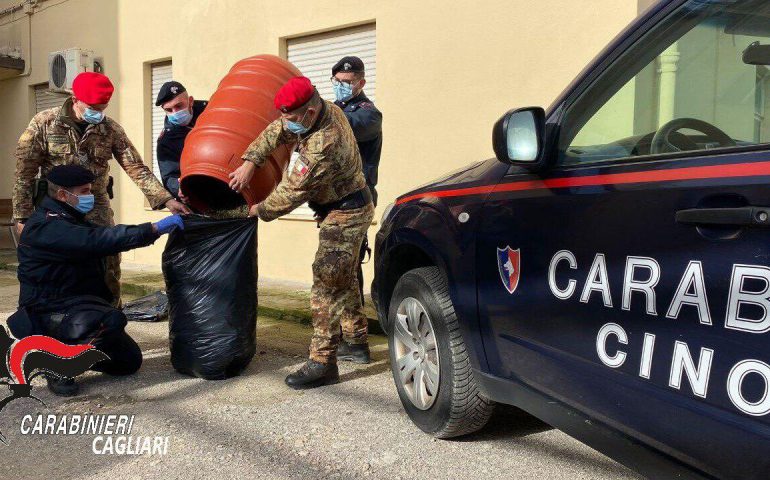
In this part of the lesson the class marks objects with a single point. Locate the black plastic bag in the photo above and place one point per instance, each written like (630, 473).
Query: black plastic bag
(211, 279)
(150, 308)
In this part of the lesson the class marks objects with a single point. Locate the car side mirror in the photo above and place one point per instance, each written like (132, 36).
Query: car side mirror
(757, 54)
(518, 137)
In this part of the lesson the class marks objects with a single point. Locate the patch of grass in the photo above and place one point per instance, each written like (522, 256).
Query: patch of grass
(301, 316)
(134, 290)
(145, 278)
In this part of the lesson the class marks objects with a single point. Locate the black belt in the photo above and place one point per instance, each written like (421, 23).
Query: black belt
(355, 200)
(358, 199)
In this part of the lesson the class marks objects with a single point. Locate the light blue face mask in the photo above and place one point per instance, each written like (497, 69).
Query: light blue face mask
(296, 127)
(343, 91)
(93, 116)
(85, 202)
(181, 118)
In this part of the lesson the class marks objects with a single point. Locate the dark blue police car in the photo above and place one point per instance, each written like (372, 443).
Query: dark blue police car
(609, 272)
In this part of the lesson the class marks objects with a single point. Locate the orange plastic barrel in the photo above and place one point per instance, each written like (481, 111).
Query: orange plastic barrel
(236, 114)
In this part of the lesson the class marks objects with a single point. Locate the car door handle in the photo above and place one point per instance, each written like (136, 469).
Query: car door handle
(740, 216)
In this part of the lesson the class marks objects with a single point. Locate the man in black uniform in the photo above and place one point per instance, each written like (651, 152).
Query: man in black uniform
(62, 274)
(182, 111)
(348, 80)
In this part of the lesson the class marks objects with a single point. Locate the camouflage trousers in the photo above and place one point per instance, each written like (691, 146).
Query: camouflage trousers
(335, 298)
(103, 215)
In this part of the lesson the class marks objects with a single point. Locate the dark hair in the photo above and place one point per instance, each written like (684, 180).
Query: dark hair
(314, 101)
(53, 189)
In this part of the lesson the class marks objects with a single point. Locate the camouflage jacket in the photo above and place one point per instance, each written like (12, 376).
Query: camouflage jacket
(328, 167)
(51, 139)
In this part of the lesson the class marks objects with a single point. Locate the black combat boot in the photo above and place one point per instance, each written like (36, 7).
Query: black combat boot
(313, 374)
(347, 352)
(63, 387)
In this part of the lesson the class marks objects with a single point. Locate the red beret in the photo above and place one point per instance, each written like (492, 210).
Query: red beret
(92, 88)
(295, 93)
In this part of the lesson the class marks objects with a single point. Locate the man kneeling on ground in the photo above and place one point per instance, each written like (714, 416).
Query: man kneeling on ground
(62, 273)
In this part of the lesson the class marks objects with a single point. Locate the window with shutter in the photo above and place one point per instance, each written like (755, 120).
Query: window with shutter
(45, 99)
(160, 73)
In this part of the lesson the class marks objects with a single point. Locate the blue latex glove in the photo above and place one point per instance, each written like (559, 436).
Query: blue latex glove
(168, 224)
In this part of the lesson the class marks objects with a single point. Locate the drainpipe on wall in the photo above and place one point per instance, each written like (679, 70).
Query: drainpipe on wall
(29, 10)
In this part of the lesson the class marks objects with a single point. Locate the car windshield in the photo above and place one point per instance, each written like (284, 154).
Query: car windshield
(698, 81)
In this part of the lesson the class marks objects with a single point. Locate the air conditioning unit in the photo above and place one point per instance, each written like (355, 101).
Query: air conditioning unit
(64, 66)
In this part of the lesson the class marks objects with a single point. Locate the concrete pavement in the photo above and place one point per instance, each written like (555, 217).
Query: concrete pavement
(252, 426)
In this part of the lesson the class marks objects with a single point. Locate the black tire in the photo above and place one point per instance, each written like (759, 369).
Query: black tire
(458, 408)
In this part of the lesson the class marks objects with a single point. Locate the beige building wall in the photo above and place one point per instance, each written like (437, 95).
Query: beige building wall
(446, 70)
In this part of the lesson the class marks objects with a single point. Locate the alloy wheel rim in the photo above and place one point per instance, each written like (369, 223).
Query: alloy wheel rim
(416, 350)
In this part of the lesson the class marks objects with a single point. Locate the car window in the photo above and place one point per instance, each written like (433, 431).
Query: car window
(699, 80)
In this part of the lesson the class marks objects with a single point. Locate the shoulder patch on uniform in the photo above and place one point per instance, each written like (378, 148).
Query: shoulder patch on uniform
(365, 105)
(49, 215)
(301, 167)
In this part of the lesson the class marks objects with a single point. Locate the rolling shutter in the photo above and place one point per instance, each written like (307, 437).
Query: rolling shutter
(161, 73)
(45, 99)
(315, 55)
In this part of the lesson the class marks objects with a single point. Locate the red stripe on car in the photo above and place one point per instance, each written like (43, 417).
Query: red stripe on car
(689, 173)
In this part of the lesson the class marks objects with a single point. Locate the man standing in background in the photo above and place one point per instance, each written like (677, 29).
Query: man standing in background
(348, 80)
(182, 111)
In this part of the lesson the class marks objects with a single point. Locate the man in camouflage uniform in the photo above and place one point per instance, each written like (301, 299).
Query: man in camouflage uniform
(79, 133)
(328, 175)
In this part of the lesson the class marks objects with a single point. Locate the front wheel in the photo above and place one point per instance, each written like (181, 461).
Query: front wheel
(428, 358)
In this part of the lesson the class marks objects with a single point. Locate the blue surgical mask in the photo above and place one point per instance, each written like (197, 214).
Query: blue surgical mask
(343, 91)
(296, 127)
(85, 202)
(181, 118)
(93, 116)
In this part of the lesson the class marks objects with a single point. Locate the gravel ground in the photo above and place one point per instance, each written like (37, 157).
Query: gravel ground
(254, 427)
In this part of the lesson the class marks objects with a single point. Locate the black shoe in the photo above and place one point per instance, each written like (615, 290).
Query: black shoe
(347, 352)
(63, 387)
(313, 374)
